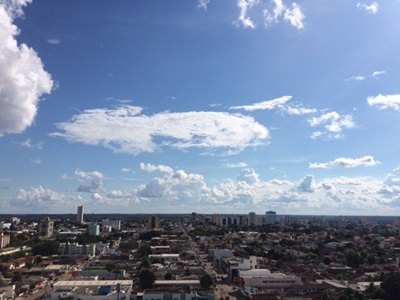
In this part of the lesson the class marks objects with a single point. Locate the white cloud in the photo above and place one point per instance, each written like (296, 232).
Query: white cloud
(385, 101)
(333, 125)
(39, 197)
(155, 168)
(297, 110)
(344, 162)
(355, 78)
(243, 19)
(371, 8)
(36, 161)
(249, 176)
(203, 4)
(54, 41)
(125, 170)
(184, 191)
(377, 74)
(91, 182)
(292, 15)
(307, 184)
(125, 129)
(23, 79)
(264, 105)
(236, 165)
(29, 144)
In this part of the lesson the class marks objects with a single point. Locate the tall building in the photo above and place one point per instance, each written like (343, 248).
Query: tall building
(46, 228)
(154, 222)
(4, 239)
(252, 218)
(270, 217)
(79, 214)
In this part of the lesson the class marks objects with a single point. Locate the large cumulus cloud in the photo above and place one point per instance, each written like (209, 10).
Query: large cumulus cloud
(23, 79)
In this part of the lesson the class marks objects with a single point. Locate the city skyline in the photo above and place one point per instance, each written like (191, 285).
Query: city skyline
(208, 106)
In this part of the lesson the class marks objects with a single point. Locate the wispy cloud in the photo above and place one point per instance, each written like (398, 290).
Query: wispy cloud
(126, 129)
(243, 19)
(355, 78)
(236, 165)
(54, 41)
(264, 105)
(377, 74)
(344, 162)
(29, 144)
(292, 15)
(385, 101)
(332, 124)
(203, 4)
(369, 8)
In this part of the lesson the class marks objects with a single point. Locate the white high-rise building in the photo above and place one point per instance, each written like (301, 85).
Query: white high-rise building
(79, 214)
(252, 218)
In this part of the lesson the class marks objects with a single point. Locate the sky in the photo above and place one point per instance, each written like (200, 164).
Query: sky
(225, 106)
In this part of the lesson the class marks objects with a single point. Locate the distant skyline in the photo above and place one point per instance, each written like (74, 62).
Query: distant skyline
(209, 106)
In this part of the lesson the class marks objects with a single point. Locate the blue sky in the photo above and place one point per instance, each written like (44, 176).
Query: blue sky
(207, 106)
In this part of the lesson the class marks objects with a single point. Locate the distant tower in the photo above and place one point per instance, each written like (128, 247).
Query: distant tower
(79, 214)
(252, 218)
(46, 228)
(154, 222)
(270, 217)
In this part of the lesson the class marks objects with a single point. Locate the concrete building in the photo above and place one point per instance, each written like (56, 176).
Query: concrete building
(270, 217)
(91, 290)
(252, 218)
(111, 224)
(76, 249)
(235, 265)
(94, 229)
(264, 279)
(175, 290)
(166, 257)
(154, 222)
(46, 228)
(79, 214)
(4, 240)
(220, 254)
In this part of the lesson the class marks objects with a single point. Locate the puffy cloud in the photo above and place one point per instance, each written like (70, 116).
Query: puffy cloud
(385, 101)
(307, 184)
(249, 176)
(333, 124)
(174, 187)
(203, 4)
(155, 168)
(243, 19)
(371, 8)
(292, 15)
(344, 162)
(39, 196)
(125, 170)
(23, 79)
(92, 182)
(125, 129)
(264, 105)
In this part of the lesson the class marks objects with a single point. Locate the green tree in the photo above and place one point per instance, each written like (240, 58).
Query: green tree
(391, 285)
(206, 281)
(168, 276)
(45, 248)
(146, 278)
